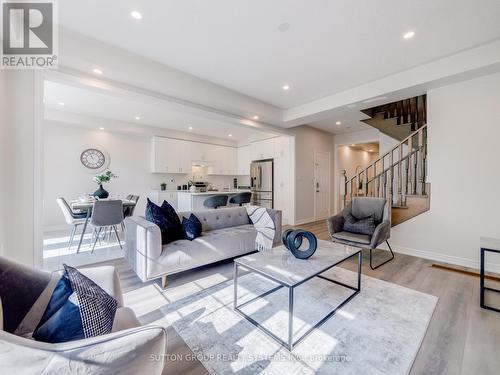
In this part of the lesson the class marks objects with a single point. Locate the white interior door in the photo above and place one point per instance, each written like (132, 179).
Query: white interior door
(321, 185)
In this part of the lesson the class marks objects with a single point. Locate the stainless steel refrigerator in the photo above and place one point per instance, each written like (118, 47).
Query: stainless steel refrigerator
(262, 183)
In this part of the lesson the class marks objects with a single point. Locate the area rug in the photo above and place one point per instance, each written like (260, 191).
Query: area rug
(378, 332)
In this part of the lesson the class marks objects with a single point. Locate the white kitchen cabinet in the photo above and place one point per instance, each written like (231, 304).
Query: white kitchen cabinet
(224, 161)
(201, 151)
(170, 156)
(158, 196)
(244, 161)
(262, 149)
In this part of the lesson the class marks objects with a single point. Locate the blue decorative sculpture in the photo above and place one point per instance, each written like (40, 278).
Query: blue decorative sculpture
(292, 239)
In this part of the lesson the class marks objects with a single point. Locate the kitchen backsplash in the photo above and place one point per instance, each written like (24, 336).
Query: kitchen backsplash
(199, 174)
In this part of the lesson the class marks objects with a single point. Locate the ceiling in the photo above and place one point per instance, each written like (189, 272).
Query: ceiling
(329, 46)
(152, 113)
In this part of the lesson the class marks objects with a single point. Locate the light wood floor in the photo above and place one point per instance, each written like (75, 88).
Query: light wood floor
(462, 338)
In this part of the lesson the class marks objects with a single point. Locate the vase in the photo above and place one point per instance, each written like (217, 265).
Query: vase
(192, 189)
(101, 193)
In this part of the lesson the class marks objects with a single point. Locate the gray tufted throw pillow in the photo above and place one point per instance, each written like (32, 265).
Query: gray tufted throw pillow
(362, 226)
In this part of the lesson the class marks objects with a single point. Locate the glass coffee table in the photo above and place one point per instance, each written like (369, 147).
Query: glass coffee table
(280, 266)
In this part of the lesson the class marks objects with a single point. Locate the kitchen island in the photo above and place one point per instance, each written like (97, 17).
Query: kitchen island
(188, 201)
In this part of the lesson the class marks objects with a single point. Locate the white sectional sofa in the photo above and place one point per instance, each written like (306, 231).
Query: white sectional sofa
(227, 233)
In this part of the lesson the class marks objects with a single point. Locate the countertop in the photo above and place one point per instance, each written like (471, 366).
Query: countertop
(220, 192)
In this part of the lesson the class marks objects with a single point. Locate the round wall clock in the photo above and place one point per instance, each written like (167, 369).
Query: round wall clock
(94, 159)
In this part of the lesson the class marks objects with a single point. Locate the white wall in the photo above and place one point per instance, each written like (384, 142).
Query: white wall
(17, 178)
(307, 141)
(463, 143)
(3, 159)
(339, 141)
(130, 161)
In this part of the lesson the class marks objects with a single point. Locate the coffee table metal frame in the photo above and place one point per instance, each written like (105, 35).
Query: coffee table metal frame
(291, 343)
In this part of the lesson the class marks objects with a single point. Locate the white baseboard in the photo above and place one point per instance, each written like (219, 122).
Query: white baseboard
(438, 257)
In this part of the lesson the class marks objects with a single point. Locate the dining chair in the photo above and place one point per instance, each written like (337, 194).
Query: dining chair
(72, 218)
(129, 210)
(106, 214)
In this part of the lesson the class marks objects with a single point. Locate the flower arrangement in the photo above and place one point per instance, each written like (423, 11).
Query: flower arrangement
(104, 178)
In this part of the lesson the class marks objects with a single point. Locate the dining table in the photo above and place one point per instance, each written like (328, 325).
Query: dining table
(85, 206)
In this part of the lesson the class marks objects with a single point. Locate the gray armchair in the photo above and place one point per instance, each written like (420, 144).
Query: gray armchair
(361, 207)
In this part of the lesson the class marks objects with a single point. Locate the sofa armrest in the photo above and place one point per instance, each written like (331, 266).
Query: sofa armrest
(276, 216)
(134, 351)
(142, 244)
(335, 224)
(382, 233)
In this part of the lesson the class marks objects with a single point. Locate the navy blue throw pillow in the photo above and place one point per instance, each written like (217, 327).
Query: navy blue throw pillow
(191, 227)
(61, 320)
(77, 309)
(156, 215)
(174, 223)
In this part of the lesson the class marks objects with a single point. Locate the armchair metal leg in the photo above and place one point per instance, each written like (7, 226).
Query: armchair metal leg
(381, 264)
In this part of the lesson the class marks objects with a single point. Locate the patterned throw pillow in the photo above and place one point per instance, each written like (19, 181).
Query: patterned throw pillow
(77, 309)
(362, 226)
(192, 227)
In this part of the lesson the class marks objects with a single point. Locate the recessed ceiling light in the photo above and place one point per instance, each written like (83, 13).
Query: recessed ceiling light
(255, 117)
(137, 117)
(97, 71)
(190, 128)
(137, 15)
(101, 128)
(229, 135)
(353, 145)
(285, 26)
(338, 123)
(285, 87)
(61, 103)
(370, 150)
(409, 35)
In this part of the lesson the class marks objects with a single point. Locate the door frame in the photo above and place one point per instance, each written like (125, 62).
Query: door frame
(316, 218)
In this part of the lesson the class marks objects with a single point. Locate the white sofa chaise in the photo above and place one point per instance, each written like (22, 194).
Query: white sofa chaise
(227, 233)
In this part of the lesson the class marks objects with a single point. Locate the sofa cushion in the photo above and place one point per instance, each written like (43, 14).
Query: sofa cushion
(210, 247)
(78, 308)
(191, 227)
(352, 237)
(221, 218)
(360, 226)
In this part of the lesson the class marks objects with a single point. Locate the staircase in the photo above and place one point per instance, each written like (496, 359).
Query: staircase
(399, 176)
(398, 119)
